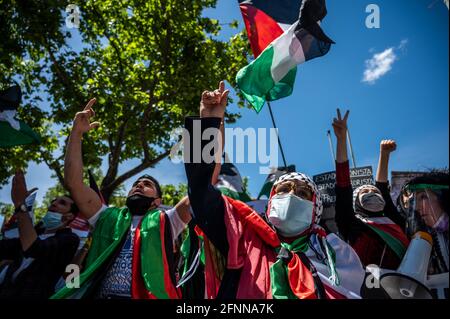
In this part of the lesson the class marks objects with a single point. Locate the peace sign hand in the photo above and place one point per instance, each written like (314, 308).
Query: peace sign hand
(340, 125)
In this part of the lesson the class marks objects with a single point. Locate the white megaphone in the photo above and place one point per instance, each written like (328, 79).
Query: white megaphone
(416, 259)
(409, 280)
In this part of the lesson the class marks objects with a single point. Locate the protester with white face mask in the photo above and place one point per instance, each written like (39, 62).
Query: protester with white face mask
(366, 217)
(40, 254)
(289, 258)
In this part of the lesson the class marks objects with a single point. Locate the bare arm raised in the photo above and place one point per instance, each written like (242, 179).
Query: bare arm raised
(386, 148)
(85, 198)
(340, 130)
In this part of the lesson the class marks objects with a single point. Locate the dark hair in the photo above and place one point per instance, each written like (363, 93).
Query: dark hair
(157, 186)
(435, 178)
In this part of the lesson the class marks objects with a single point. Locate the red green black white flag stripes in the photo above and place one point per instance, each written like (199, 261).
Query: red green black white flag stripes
(282, 34)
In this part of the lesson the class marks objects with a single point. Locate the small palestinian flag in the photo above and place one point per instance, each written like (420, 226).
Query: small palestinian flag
(272, 177)
(282, 34)
(12, 131)
(230, 183)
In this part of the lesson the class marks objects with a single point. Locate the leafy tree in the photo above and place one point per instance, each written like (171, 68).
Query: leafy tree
(6, 210)
(146, 62)
(30, 33)
(173, 194)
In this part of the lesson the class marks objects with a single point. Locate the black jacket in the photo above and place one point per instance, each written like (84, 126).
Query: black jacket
(38, 280)
(207, 202)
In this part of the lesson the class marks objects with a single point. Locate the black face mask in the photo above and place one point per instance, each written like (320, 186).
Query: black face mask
(139, 204)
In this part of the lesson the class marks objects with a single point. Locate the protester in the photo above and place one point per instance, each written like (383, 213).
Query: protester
(365, 216)
(131, 255)
(259, 255)
(37, 260)
(198, 283)
(426, 205)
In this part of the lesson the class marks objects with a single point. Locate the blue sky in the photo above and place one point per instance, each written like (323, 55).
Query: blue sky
(407, 99)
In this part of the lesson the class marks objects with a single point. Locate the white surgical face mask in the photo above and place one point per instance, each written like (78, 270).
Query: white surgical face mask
(372, 202)
(290, 214)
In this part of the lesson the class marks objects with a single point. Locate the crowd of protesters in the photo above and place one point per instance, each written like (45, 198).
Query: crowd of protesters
(213, 245)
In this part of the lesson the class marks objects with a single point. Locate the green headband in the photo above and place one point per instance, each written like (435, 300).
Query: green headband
(426, 186)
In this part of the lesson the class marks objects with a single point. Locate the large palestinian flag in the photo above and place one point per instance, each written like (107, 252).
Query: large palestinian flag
(282, 34)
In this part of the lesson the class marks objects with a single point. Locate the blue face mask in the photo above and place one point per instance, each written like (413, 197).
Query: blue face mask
(52, 220)
(290, 214)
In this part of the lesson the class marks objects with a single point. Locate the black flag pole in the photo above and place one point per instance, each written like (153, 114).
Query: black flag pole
(278, 135)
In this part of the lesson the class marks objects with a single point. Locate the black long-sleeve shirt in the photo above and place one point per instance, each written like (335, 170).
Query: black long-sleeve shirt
(38, 280)
(206, 200)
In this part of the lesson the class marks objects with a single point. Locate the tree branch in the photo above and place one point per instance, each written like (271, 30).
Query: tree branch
(108, 189)
(114, 155)
(60, 72)
(54, 165)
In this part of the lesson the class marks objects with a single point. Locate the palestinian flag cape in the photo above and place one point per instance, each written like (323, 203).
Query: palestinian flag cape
(282, 34)
(389, 232)
(230, 183)
(312, 267)
(204, 266)
(12, 131)
(152, 263)
(272, 177)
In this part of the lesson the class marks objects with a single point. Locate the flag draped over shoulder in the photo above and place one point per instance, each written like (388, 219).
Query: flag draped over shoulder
(282, 35)
(389, 232)
(151, 271)
(12, 131)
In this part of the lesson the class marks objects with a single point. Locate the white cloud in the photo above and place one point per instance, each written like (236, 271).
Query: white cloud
(381, 63)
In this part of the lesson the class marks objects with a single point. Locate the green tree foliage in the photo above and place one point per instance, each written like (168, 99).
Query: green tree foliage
(146, 62)
(173, 194)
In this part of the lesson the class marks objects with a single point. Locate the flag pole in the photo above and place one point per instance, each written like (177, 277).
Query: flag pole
(278, 136)
(331, 147)
(351, 148)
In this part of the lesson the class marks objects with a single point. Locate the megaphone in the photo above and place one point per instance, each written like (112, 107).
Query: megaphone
(415, 262)
(408, 282)
(399, 286)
